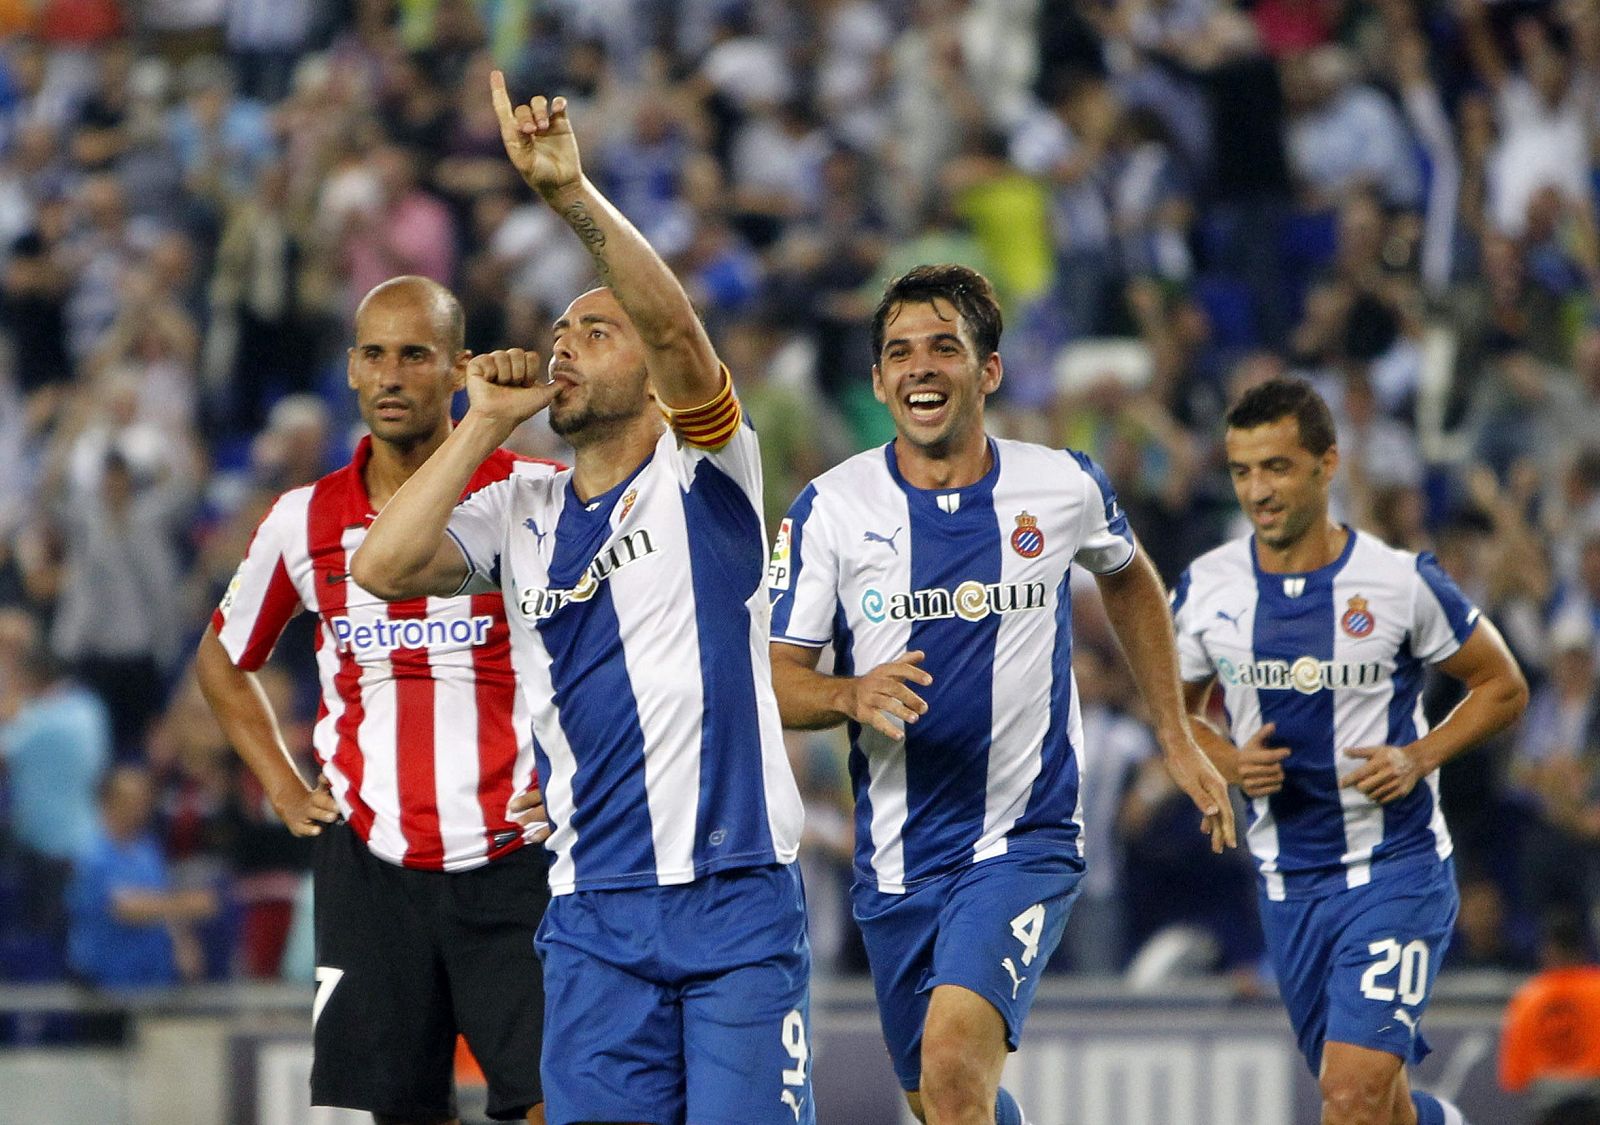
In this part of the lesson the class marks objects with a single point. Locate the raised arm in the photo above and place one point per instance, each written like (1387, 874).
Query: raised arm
(1136, 603)
(538, 137)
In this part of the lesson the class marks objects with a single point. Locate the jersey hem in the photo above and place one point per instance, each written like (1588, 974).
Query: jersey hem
(1324, 882)
(641, 880)
(1025, 845)
(803, 642)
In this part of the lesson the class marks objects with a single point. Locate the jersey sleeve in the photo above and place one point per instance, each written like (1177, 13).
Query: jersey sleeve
(1105, 541)
(803, 576)
(478, 526)
(1442, 617)
(262, 598)
(1194, 666)
(718, 433)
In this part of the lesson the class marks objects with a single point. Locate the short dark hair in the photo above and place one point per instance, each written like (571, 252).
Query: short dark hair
(966, 289)
(1281, 398)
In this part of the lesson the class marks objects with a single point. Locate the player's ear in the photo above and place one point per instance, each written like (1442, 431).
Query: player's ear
(1330, 461)
(350, 368)
(877, 385)
(458, 370)
(991, 374)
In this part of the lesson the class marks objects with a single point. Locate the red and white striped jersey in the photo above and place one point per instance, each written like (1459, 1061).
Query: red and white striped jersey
(420, 730)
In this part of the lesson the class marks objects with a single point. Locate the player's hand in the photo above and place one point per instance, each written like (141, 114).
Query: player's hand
(1389, 773)
(1193, 772)
(881, 695)
(304, 811)
(527, 809)
(538, 138)
(508, 386)
(1260, 765)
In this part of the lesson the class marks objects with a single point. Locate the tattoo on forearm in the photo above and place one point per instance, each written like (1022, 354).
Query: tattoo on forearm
(594, 239)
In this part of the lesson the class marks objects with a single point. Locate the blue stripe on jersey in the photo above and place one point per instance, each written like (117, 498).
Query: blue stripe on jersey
(595, 702)
(1116, 518)
(1457, 609)
(783, 600)
(1059, 773)
(1405, 822)
(1307, 811)
(947, 749)
(725, 563)
(1180, 592)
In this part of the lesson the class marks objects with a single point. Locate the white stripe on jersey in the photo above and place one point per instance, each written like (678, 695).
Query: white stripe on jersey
(1021, 707)
(655, 626)
(533, 675)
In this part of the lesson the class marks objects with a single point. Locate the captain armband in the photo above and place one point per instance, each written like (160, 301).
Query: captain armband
(712, 425)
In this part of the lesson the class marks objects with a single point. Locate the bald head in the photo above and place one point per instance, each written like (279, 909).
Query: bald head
(444, 311)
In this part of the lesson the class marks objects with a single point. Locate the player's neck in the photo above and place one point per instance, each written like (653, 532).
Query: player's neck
(1318, 547)
(600, 465)
(954, 466)
(392, 464)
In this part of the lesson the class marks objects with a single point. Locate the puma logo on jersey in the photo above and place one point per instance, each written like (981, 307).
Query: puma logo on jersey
(1234, 620)
(886, 540)
(1406, 1018)
(1011, 970)
(793, 1101)
(533, 525)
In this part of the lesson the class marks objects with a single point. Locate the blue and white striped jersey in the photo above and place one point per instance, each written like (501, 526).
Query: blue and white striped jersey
(1334, 658)
(976, 578)
(639, 635)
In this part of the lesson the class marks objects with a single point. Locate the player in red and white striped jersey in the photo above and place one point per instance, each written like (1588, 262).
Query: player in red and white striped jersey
(423, 742)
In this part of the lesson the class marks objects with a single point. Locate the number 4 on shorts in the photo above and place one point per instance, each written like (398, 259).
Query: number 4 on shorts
(1027, 928)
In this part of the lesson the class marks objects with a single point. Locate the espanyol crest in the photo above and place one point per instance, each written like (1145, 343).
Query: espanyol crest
(1357, 620)
(1027, 540)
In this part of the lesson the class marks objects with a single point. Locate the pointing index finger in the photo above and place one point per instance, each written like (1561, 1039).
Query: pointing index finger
(509, 130)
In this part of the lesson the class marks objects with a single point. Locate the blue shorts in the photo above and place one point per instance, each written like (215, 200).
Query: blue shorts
(1357, 966)
(683, 1003)
(989, 927)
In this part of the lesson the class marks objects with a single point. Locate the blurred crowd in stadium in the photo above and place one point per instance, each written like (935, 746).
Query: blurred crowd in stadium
(1175, 199)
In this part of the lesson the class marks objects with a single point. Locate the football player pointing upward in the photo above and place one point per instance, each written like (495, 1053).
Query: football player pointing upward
(639, 631)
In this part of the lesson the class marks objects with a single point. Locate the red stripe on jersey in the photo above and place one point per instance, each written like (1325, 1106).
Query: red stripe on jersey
(330, 572)
(280, 603)
(414, 745)
(497, 700)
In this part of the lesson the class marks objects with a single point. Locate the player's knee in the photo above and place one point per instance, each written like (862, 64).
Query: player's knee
(954, 1079)
(1356, 1098)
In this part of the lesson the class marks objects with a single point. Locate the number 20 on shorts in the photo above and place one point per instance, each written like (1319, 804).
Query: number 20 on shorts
(1412, 962)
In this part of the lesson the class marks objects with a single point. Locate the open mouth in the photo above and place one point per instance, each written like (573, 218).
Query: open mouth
(926, 405)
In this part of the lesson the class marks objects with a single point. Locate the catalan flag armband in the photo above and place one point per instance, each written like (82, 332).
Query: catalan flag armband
(713, 425)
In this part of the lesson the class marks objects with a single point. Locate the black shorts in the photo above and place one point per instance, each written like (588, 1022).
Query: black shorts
(405, 960)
